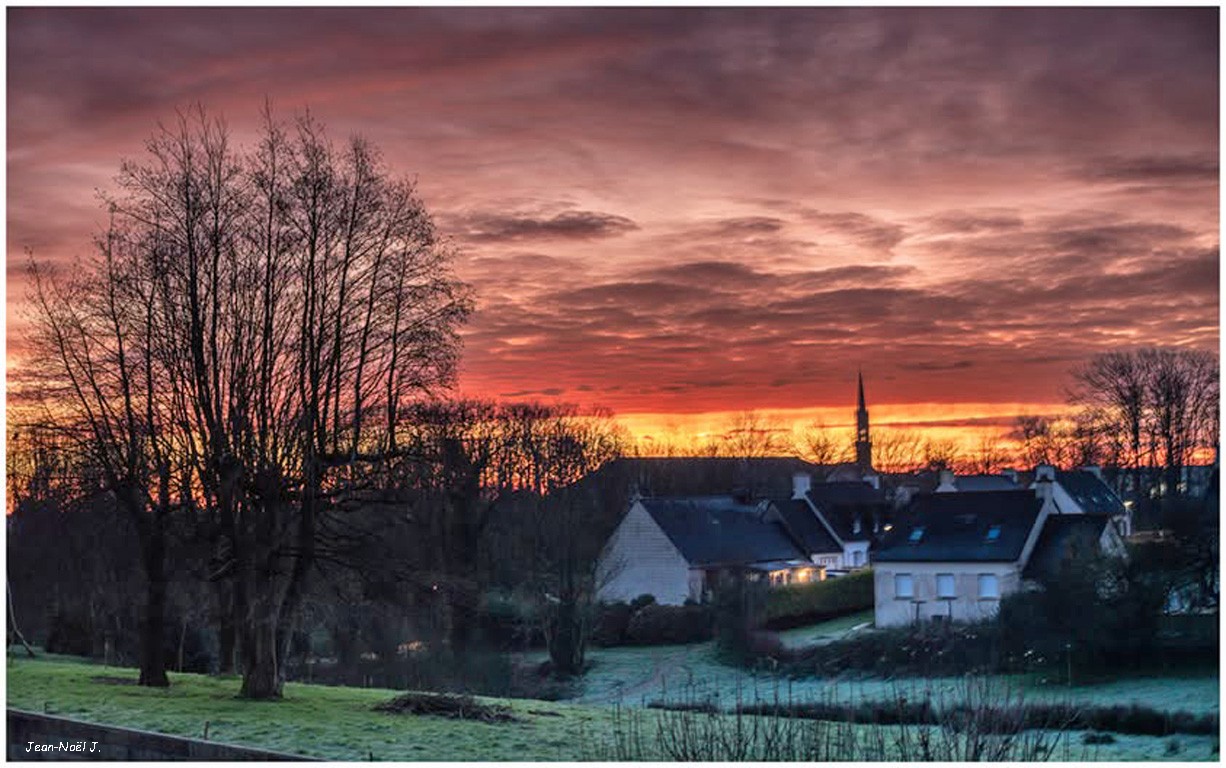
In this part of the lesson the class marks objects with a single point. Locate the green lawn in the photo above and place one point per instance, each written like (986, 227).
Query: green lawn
(330, 722)
(337, 723)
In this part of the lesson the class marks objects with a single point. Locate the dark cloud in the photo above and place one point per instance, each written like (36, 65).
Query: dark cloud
(568, 225)
(1154, 169)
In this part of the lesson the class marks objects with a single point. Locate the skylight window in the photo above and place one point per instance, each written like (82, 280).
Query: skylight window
(917, 533)
(993, 533)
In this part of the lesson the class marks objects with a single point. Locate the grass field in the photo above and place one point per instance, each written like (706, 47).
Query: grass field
(634, 676)
(337, 723)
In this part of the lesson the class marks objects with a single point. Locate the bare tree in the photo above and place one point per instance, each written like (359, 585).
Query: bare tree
(819, 444)
(751, 434)
(108, 389)
(293, 301)
(898, 450)
(1153, 408)
(989, 456)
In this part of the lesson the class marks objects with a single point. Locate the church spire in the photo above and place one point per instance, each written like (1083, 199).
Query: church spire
(864, 445)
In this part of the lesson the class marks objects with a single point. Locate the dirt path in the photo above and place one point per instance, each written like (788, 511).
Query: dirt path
(667, 667)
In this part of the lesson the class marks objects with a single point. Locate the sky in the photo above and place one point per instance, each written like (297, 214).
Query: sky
(681, 214)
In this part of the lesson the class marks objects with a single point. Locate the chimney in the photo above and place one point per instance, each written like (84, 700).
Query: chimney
(1044, 481)
(1009, 473)
(1093, 469)
(947, 484)
(873, 479)
(801, 482)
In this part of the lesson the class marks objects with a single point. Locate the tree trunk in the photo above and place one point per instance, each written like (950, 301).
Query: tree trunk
(153, 623)
(567, 644)
(226, 632)
(263, 675)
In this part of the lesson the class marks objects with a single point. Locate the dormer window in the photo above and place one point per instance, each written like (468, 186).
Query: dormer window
(917, 533)
(993, 533)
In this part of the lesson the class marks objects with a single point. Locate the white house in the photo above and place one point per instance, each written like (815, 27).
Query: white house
(834, 521)
(958, 554)
(673, 548)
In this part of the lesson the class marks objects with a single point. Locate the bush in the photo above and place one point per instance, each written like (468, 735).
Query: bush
(804, 603)
(642, 601)
(509, 622)
(1098, 738)
(924, 650)
(669, 625)
(612, 621)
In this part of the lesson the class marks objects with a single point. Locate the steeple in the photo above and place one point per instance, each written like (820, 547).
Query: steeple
(864, 446)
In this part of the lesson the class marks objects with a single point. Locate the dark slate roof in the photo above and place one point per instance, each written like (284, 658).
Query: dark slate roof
(1064, 537)
(768, 477)
(718, 530)
(980, 483)
(842, 502)
(957, 525)
(1091, 493)
(804, 526)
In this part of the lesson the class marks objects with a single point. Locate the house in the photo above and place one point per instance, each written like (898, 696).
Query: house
(955, 555)
(675, 548)
(1083, 492)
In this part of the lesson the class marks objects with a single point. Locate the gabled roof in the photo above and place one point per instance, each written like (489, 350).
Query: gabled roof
(718, 530)
(958, 527)
(764, 477)
(841, 503)
(981, 483)
(804, 526)
(1092, 494)
(1064, 537)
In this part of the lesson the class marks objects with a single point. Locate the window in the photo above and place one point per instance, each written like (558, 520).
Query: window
(857, 558)
(904, 586)
(945, 586)
(989, 586)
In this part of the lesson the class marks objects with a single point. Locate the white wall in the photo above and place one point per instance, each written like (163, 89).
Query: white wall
(639, 559)
(849, 554)
(890, 611)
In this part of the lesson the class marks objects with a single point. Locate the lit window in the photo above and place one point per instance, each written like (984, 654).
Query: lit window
(993, 533)
(904, 586)
(945, 586)
(989, 586)
(917, 533)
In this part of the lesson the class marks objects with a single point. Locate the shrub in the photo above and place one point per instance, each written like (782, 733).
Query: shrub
(1098, 738)
(669, 624)
(803, 603)
(509, 622)
(737, 610)
(642, 601)
(612, 621)
(924, 650)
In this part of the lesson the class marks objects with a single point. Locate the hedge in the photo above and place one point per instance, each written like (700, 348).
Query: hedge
(797, 603)
(670, 624)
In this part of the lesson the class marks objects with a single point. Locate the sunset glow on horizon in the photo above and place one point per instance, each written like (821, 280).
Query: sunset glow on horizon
(686, 214)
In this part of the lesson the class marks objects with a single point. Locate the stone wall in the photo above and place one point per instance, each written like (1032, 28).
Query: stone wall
(74, 740)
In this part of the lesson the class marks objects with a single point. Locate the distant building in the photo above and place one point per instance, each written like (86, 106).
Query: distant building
(864, 443)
